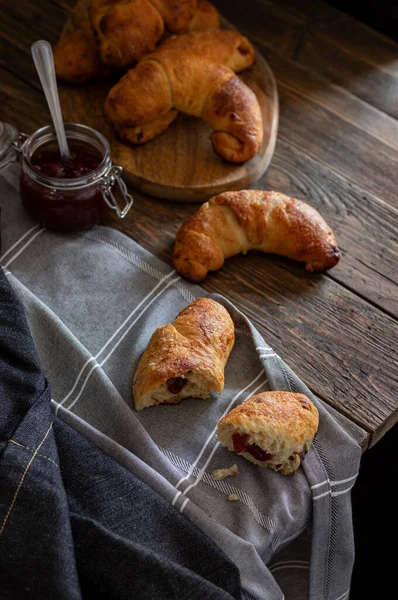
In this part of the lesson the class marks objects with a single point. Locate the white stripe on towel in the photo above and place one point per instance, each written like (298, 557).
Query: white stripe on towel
(212, 434)
(23, 247)
(94, 358)
(101, 364)
(202, 470)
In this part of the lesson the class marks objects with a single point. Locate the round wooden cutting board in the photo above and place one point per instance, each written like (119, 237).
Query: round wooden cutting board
(180, 164)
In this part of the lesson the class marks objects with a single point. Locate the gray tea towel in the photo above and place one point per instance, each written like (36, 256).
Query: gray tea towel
(93, 301)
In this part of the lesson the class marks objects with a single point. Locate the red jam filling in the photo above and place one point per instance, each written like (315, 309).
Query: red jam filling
(63, 209)
(84, 159)
(239, 441)
(175, 384)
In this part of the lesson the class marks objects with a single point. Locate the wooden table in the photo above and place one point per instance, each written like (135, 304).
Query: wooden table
(337, 149)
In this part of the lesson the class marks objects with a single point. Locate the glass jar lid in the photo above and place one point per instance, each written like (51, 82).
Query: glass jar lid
(9, 137)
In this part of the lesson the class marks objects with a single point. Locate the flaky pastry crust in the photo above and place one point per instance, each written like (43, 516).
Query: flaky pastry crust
(224, 47)
(186, 358)
(206, 17)
(272, 429)
(194, 85)
(235, 222)
(128, 30)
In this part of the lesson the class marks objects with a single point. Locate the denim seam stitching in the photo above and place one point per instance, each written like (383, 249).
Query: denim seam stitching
(32, 450)
(22, 480)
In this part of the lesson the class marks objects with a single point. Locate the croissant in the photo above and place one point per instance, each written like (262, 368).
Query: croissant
(128, 30)
(186, 358)
(193, 85)
(76, 57)
(225, 47)
(272, 429)
(206, 17)
(236, 222)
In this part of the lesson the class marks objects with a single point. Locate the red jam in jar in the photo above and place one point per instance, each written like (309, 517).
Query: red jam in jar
(84, 160)
(69, 194)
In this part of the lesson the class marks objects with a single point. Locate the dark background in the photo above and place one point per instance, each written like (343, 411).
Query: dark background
(381, 15)
(374, 497)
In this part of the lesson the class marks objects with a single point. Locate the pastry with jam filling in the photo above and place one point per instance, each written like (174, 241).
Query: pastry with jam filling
(186, 358)
(272, 429)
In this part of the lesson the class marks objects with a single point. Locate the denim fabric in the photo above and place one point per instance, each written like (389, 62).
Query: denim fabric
(92, 301)
(74, 523)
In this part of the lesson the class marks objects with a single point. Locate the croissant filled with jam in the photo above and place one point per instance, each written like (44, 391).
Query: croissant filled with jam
(186, 358)
(272, 429)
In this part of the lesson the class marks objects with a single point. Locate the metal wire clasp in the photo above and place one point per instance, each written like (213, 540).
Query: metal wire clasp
(112, 178)
(11, 142)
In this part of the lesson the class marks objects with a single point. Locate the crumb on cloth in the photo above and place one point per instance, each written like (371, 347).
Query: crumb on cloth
(223, 473)
(233, 497)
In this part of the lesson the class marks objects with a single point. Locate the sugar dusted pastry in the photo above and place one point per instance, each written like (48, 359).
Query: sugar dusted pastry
(174, 80)
(224, 47)
(186, 358)
(271, 222)
(272, 429)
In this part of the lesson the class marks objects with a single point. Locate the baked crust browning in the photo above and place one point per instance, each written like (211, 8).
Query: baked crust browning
(186, 358)
(235, 115)
(272, 429)
(225, 47)
(76, 57)
(236, 222)
(146, 131)
(177, 14)
(206, 17)
(126, 31)
(183, 81)
(112, 36)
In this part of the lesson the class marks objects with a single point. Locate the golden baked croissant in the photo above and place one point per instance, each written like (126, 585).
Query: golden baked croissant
(272, 429)
(128, 30)
(206, 17)
(76, 57)
(193, 85)
(225, 47)
(235, 222)
(186, 358)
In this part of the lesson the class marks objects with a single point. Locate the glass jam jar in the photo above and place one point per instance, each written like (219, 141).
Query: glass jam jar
(70, 195)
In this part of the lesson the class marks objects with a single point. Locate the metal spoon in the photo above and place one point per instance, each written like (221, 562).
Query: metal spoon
(44, 61)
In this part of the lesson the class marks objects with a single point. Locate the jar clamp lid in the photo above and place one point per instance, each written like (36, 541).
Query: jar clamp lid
(12, 143)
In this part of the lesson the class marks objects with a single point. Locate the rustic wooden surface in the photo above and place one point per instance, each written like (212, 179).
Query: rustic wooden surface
(337, 149)
(180, 164)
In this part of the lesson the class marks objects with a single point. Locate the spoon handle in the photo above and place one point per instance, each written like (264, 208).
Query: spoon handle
(44, 61)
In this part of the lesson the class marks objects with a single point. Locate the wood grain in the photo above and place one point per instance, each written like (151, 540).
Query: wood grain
(338, 331)
(360, 76)
(332, 141)
(302, 317)
(325, 41)
(347, 32)
(365, 227)
(29, 112)
(180, 164)
(335, 99)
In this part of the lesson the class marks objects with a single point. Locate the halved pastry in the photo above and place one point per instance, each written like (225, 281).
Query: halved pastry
(187, 358)
(272, 429)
